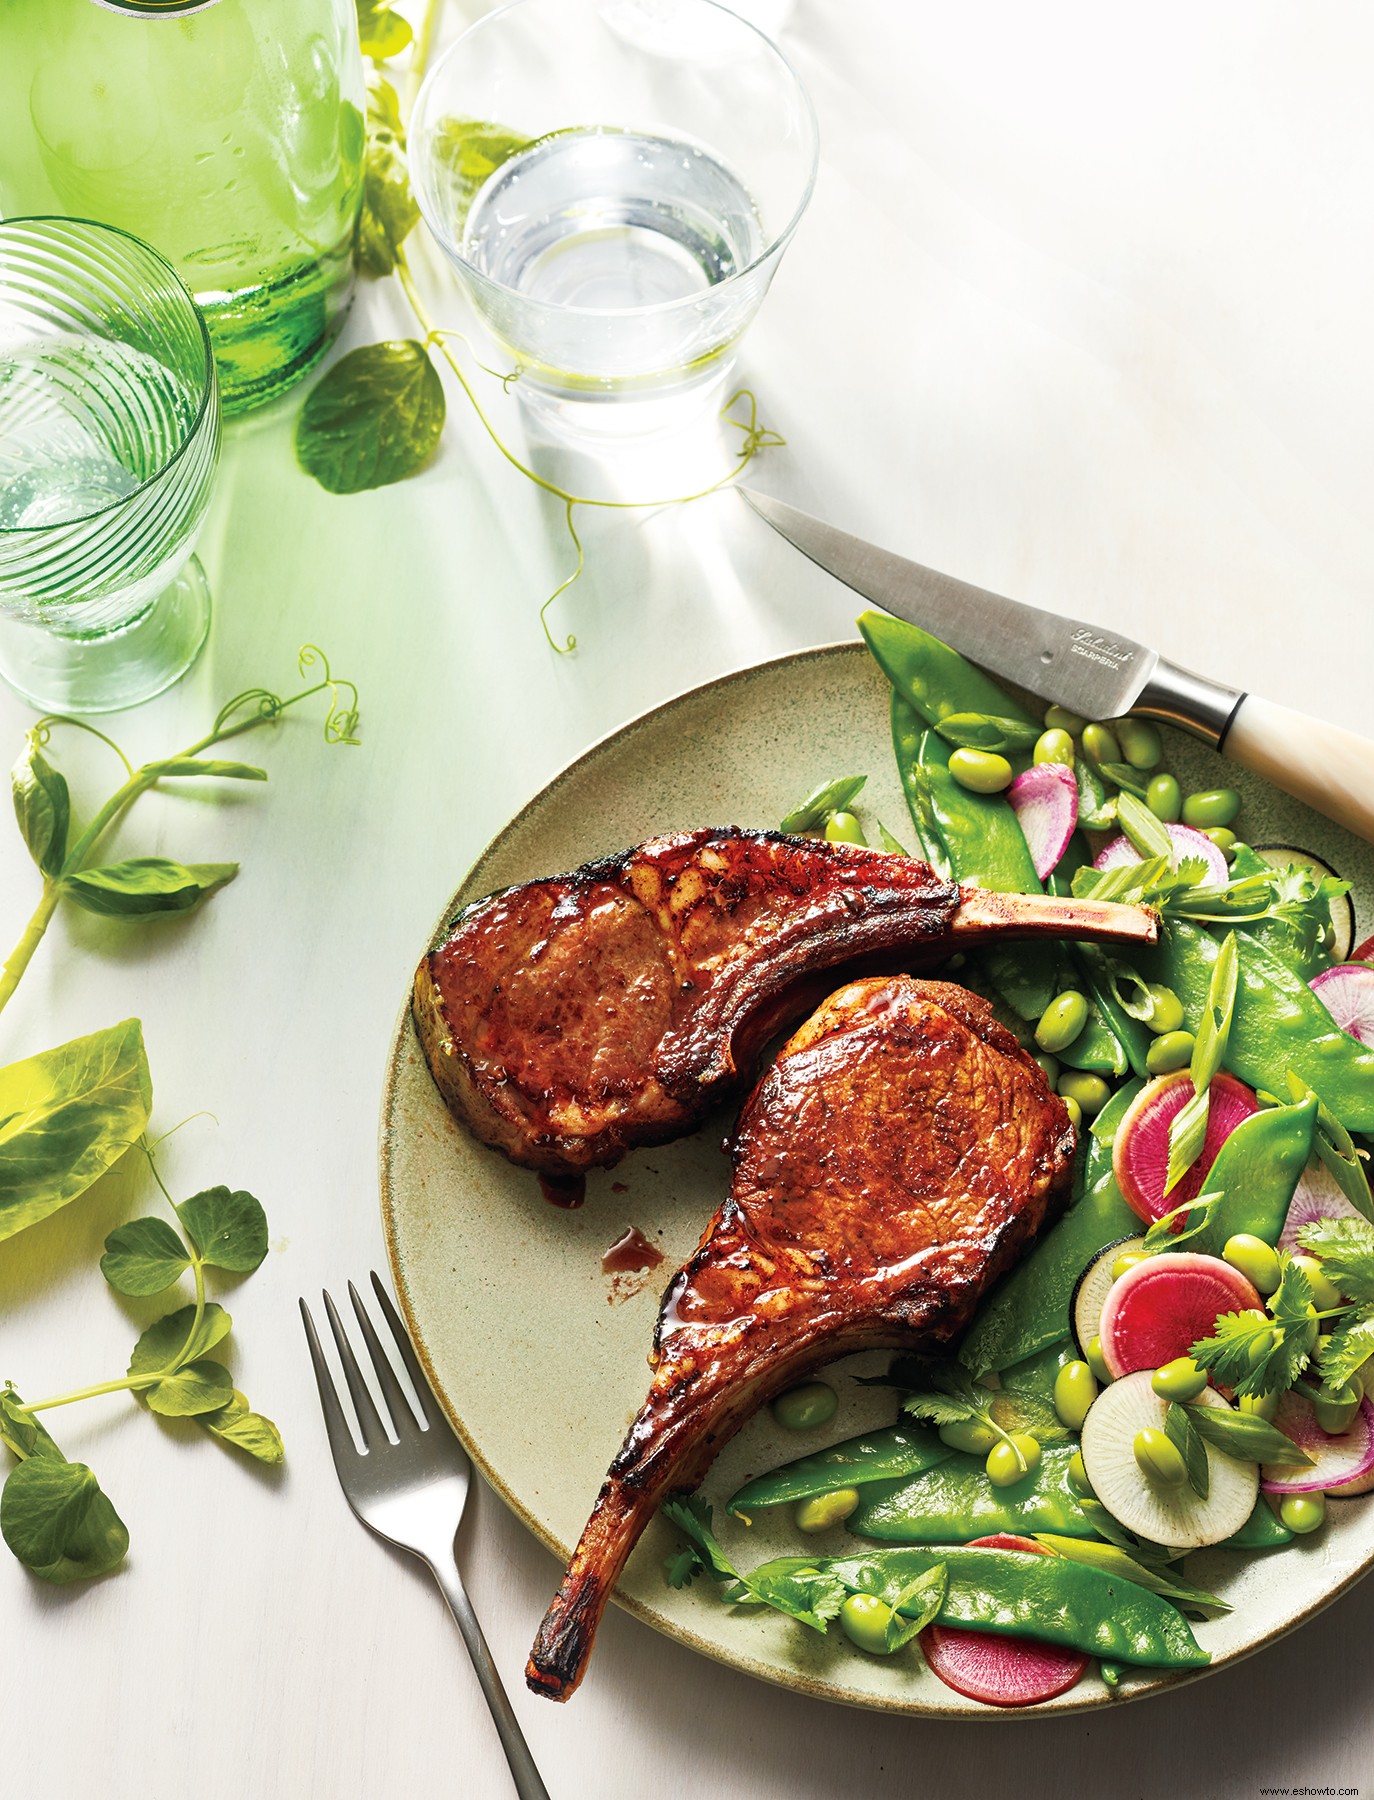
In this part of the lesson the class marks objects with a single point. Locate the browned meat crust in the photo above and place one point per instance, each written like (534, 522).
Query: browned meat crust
(568, 1019)
(895, 1161)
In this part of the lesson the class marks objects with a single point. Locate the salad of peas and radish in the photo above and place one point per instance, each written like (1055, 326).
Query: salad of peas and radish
(1180, 1361)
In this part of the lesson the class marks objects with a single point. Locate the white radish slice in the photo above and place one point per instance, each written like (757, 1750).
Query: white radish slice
(1187, 844)
(1337, 1461)
(1347, 993)
(1045, 801)
(1085, 1308)
(1140, 1153)
(1289, 856)
(1159, 1309)
(1317, 1196)
(1173, 1516)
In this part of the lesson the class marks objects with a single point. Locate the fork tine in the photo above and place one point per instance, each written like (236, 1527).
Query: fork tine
(393, 1393)
(424, 1392)
(369, 1421)
(335, 1424)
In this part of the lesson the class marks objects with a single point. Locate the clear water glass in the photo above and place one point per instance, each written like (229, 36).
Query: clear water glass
(109, 435)
(615, 182)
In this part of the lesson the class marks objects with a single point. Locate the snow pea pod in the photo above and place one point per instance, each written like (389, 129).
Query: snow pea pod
(1029, 1309)
(955, 1501)
(1046, 1597)
(1256, 1172)
(1102, 1132)
(936, 680)
(908, 728)
(1263, 1530)
(1278, 1023)
(898, 1451)
(1133, 1036)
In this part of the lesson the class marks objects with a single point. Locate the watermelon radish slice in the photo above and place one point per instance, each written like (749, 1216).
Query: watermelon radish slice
(1347, 993)
(1085, 1308)
(1288, 856)
(1337, 1462)
(1159, 1309)
(1001, 1671)
(1364, 952)
(1317, 1196)
(1045, 801)
(1174, 1517)
(1187, 844)
(1140, 1156)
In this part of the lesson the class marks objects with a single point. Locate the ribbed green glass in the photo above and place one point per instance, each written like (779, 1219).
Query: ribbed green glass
(109, 434)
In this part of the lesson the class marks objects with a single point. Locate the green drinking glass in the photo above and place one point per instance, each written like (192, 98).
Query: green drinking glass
(109, 435)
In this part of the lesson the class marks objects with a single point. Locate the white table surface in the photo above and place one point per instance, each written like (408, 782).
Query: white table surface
(1082, 310)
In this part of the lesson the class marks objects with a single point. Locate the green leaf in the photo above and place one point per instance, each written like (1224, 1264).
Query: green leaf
(1352, 1344)
(1148, 834)
(22, 1432)
(890, 843)
(1346, 1250)
(829, 797)
(376, 417)
(42, 806)
(941, 1409)
(985, 731)
(197, 1387)
(236, 1424)
(57, 1521)
(1246, 1436)
(682, 1568)
(381, 32)
(801, 1592)
(1182, 1432)
(66, 1116)
(388, 214)
(143, 1257)
(1114, 1561)
(144, 885)
(207, 767)
(466, 152)
(228, 1229)
(915, 1605)
(168, 1344)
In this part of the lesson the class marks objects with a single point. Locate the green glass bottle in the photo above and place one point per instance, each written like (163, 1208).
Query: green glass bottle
(228, 134)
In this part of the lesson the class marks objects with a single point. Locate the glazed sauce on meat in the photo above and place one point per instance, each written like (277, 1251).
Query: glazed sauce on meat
(567, 1191)
(631, 1253)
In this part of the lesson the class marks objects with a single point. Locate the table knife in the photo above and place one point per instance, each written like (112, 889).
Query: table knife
(1097, 674)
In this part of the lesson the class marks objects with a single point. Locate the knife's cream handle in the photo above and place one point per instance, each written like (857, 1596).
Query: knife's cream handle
(1330, 769)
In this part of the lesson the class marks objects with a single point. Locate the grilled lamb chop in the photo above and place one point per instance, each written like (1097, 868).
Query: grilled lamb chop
(569, 1019)
(897, 1159)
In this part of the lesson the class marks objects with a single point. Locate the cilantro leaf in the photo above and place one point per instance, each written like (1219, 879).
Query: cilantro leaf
(1352, 1344)
(682, 1569)
(1346, 1250)
(802, 1593)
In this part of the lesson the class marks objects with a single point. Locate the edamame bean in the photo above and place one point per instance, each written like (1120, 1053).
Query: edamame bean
(969, 1435)
(1049, 1067)
(1004, 1467)
(1164, 798)
(844, 828)
(1166, 1009)
(1335, 1413)
(1257, 1261)
(1090, 1091)
(1224, 839)
(1075, 1112)
(1140, 743)
(1302, 1512)
(1092, 1352)
(1078, 1473)
(1075, 1389)
(1325, 1293)
(1054, 747)
(822, 1511)
(1260, 1347)
(865, 1620)
(1059, 718)
(1263, 1406)
(1174, 1050)
(981, 771)
(806, 1407)
(1126, 1262)
(1180, 1380)
(1061, 1021)
(1158, 1459)
(1211, 807)
(1099, 742)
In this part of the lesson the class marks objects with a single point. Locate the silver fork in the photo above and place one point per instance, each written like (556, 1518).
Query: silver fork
(412, 1493)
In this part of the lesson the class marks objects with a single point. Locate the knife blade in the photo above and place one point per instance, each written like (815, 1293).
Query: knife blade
(1097, 674)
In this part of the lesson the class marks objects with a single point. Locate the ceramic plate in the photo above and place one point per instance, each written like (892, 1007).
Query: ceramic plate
(539, 1356)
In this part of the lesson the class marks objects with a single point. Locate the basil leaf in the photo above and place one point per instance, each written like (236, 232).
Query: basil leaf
(984, 731)
(168, 1343)
(143, 1257)
(42, 805)
(197, 1387)
(1246, 1436)
(57, 1521)
(250, 1431)
(200, 765)
(144, 885)
(829, 797)
(228, 1229)
(1145, 831)
(1181, 1431)
(375, 418)
(66, 1116)
(465, 153)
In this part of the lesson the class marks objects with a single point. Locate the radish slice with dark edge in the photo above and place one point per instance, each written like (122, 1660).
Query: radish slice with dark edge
(1173, 1516)
(1140, 1155)
(1317, 1196)
(1289, 856)
(1159, 1309)
(1347, 993)
(1337, 1462)
(1001, 1671)
(1045, 801)
(1363, 952)
(1187, 844)
(1085, 1306)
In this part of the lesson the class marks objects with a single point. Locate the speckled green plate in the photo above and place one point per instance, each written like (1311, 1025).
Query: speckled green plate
(539, 1357)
